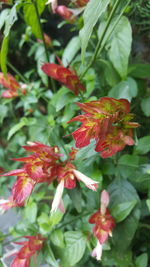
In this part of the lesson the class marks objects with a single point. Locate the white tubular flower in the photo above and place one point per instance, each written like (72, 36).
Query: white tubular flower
(86, 180)
(4, 205)
(57, 201)
(97, 251)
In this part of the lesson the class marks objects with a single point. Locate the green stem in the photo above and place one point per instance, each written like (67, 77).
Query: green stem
(144, 225)
(17, 72)
(42, 35)
(99, 46)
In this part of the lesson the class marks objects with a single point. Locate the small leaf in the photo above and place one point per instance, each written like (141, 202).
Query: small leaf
(139, 71)
(121, 46)
(31, 212)
(145, 106)
(57, 238)
(143, 145)
(49, 256)
(71, 50)
(3, 112)
(126, 89)
(93, 11)
(142, 260)
(122, 210)
(11, 18)
(15, 128)
(148, 203)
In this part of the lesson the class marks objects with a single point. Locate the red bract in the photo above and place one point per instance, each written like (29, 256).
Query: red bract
(11, 84)
(65, 13)
(65, 76)
(28, 249)
(108, 122)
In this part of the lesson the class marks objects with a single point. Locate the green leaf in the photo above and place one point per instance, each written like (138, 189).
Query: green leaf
(121, 191)
(3, 112)
(55, 218)
(121, 46)
(62, 98)
(76, 197)
(31, 212)
(11, 18)
(145, 106)
(93, 11)
(142, 260)
(16, 128)
(3, 54)
(122, 210)
(57, 238)
(143, 145)
(3, 16)
(148, 203)
(126, 89)
(71, 50)
(139, 70)
(31, 18)
(75, 247)
(49, 256)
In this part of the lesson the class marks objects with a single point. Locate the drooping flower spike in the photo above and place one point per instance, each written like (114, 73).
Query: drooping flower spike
(29, 249)
(65, 76)
(106, 120)
(104, 224)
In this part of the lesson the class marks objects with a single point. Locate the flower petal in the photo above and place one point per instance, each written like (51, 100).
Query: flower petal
(86, 180)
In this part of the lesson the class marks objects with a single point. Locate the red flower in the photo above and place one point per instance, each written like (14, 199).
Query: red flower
(28, 249)
(65, 13)
(8, 204)
(81, 3)
(9, 82)
(108, 122)
(66, 76)
(104, 224)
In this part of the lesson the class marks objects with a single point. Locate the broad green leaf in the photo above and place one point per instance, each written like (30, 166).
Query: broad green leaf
(126, 89)
(44, 223)
(113, 77)
(71, 50)
(145, 106)
(122, 210)
(121, 46)
(62, 98)
(55, 218)
(143, 145)
(139, 70)
(127, 165)
(142, 260)
(57, 238)
(122, 191)
(93, 11)
(3, 112)
(75, 247)
(3, 54)
(31, 212)
(31, 18)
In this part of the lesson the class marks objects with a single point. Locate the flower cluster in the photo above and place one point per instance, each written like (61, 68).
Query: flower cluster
(65, 76)
(42, 166)
(106, 120)
(104, 224)
(29, 248)
(12, 86)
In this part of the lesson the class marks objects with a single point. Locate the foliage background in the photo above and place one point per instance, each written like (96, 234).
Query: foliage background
(120, 70)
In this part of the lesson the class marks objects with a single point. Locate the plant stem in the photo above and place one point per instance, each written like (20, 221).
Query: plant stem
(99, 46)
(42, 35)
(17, 72)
